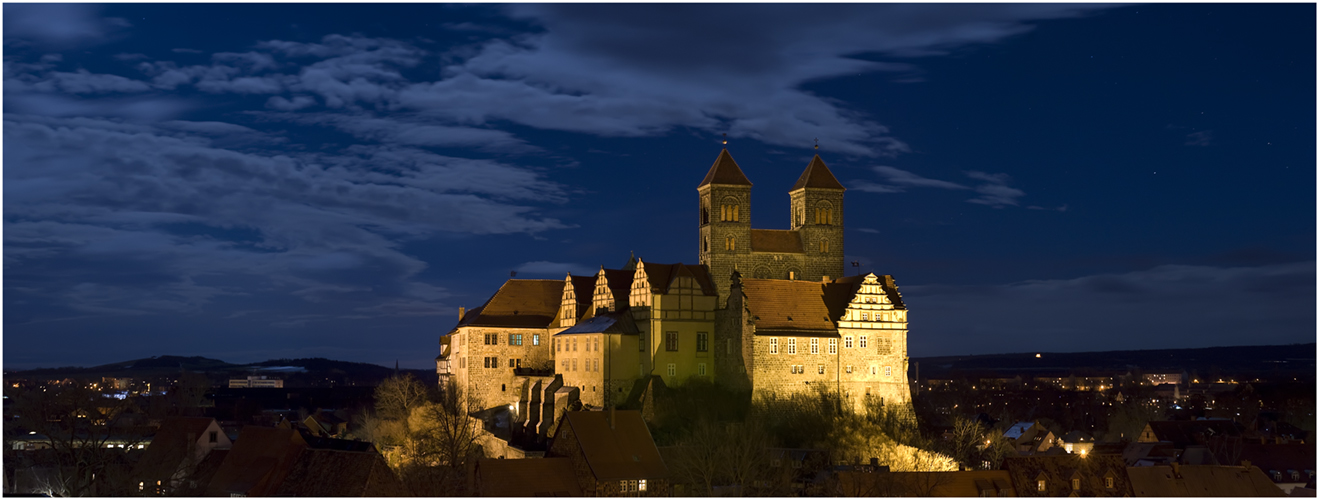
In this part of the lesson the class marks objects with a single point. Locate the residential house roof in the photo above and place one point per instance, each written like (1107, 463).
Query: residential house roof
(1279, 457)
(519, 304)
(169, 450)
(1018, 429)
(624, 450)
(802, 307)
(971, 483)
(1201, 481)
(1057, 471)
(725, 171)
(336, 473)
(527, 477)
(817, 175)
(258, 462)
(1183, 433)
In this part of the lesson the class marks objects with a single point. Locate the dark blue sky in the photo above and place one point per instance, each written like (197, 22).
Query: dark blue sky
(249, 181)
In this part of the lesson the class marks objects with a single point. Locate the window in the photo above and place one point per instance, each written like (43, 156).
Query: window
(1108, 482)
(774, 345)
(574, 364)
(512, 363)
(670, 341)
(849, 368)
(535, 339)
(641, 485)
(833, 346)
(491, 339)
(888, 371)
(821, 369)
(729, 213)
(673, 369)
(487, 361)
(872, 370)
(815, 346)
(1039, 485)
(700, 369)
(865, 316)
(1076, 484)
(702, 342)
(597, 345)
(641, 342)
(214, 436)
(824, 246)
(792, 346)
(730, 243)
(597, 365)
(847, 341)
(462, 362)
(862, 341)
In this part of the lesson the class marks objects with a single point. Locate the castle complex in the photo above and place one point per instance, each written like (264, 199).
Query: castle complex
(764, 310)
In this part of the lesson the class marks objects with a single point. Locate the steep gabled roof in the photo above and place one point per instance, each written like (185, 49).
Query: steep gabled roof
(624, 450)
(259, 461)
(1201, 481)
(519, 304)
(527, 477)
(776, 240)
(171, 447)
(611, 322)
(660, 276)
(817, 175)
(326, 473)
(726, 172)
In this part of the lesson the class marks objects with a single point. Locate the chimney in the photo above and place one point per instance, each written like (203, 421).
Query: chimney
(824, 279)
(462, 311)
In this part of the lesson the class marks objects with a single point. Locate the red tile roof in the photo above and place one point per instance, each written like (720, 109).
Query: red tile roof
(519, 304)
(258, 462)
(817, 175)
(790, 305)
(725, 171)
(527, 477)
(776, 240)
(336, 473)
(625, 451)
(660, 276)
(1201, 481)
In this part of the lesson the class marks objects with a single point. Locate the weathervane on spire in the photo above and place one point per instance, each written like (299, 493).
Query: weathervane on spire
(725, 139)
(817, 143)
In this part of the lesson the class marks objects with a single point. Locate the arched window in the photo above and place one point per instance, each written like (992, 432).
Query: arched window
(824, 213)
(824, 246)
(730, 244)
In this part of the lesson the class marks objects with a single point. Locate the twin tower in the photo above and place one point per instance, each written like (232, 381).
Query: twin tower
(811, 250)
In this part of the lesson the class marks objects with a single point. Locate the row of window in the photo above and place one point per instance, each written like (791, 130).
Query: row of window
(1109, 483)
(796, 369)
(671, 341)
(673, 369)
(513, 339)
(493, 362)
(570, 365)
(561, 345)
(865, 316)
(815, 345)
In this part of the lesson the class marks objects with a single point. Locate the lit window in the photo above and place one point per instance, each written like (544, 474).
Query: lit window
(824, 246)
(1076, 484)
(774, 346)
(847, 341)
(833, 346)
(535, 339)
(849, 368)
(1108, 482)
(1039, 486)
(862, 341)
(821, 369)
(641, 485)
(865, 316)
(888, 371)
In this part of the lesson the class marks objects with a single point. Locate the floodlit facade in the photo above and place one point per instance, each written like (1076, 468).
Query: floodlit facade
(768, 311)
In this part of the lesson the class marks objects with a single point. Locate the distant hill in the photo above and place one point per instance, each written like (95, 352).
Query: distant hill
(301, 372)
(1276, 362)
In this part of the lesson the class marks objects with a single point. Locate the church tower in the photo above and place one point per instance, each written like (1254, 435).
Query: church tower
(817, 213)
(725, 220)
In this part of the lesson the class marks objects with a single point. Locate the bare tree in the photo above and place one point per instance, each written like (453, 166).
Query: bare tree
(87, 436)
(397, 396)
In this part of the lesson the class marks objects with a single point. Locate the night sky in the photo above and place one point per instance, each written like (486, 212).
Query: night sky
(249, 181)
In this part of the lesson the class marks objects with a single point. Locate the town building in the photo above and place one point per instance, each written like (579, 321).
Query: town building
(612, 454)
(255, 381)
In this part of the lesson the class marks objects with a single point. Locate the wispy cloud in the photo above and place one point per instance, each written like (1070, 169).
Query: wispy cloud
(992, 190)
(1201, 138)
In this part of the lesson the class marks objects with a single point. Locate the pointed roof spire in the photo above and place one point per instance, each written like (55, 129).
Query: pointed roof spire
(725, 171)
(817, 175)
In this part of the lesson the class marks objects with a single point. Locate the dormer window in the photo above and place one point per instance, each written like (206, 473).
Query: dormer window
(1039, 486)
(1076, 484)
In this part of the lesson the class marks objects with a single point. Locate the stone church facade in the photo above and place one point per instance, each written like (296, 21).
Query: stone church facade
(764, 310)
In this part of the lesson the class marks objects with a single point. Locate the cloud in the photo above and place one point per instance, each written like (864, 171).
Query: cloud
(298, 102)
(557, 269)
(1201, 138)
(1164, 307)
(867, 230)
(992, 190)
(60, 25)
